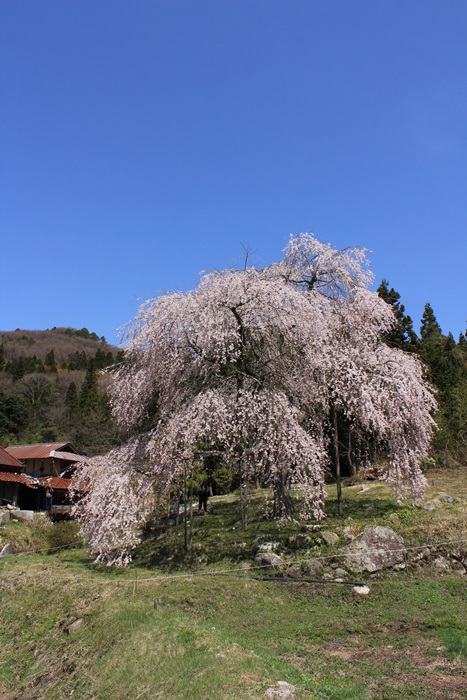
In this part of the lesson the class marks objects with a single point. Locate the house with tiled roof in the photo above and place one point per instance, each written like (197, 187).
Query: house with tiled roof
(37, 468)
(13, 478)
(46, 459)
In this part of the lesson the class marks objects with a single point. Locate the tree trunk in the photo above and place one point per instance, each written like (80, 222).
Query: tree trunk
(191, 514)
(185, 521)
(283, 503)
(338, 464)
(177, 516)
(351, 454)
(244, 502)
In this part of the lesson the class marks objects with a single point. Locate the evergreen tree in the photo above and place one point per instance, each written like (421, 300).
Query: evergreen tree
(402, 335)
(49, 361)
(71, 398)
(430, 328)
(447, 364)
(16, 368)
(77, 360)
(96, 434)
(430, 346)
(89, 396)
(13, 414)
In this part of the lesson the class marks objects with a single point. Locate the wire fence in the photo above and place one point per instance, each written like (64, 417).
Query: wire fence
(233, 571)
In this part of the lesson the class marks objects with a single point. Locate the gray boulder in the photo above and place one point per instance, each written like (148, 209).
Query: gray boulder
(313, 568)
(349, 533)
(281, 691)
(441, 563)
(4, 516)
(268, 546)
(329, 537)
(361, 590)
(378, 547)
(445, 498)
(294, 571)
(6, 550)
(74, 627)
(268, 560)
(26, 516)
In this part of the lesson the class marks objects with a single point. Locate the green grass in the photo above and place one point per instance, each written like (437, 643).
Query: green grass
(455, 641)
(230, 635)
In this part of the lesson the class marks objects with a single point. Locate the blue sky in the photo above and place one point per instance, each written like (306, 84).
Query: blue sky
(142, 141)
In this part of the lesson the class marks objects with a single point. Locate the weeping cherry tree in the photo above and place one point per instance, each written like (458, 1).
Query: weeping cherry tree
(252, 366)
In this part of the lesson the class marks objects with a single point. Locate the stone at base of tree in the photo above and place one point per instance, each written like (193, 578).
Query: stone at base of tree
(6, 550)
(378, 548)
(361, 590)
(444, 498)
(329, 537)
(268, 560)
(442, 564)
(268, 546)
(313, 568)
(349, 533)
(294, 571)
(341, 573)
(74, 626)
(299, 541)
(26, 516)
(281, 691)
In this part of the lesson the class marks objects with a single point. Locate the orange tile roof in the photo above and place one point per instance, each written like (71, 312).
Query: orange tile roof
(9, 478)
(68, 456)
(61, 483)
(45, 451)
(55, 482)
(6, 460)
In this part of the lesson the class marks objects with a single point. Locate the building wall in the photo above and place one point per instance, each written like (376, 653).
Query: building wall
(8, 492)
(45, 467)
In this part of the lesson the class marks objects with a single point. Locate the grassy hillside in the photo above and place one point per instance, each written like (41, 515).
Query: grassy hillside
(176, 625)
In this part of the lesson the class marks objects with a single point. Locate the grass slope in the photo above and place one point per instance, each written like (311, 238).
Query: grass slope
(168, 627)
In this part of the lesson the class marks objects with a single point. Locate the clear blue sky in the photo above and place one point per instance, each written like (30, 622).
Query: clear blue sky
(142, 141)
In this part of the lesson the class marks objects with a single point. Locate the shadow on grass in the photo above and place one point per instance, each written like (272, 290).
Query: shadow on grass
(218, 535)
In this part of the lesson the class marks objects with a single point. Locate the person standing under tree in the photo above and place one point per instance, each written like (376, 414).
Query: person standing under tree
(203, 495)
(48, 499)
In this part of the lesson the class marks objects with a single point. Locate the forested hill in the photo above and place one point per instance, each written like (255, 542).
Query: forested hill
(52, 388)
(68, 348)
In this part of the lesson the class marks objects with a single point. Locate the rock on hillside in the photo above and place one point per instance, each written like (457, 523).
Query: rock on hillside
(378, 547)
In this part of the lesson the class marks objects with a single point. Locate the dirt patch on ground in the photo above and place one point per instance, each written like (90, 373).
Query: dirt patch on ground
(441, 686)
(435, 677)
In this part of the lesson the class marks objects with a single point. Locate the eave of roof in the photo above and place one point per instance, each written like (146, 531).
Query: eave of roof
(7, 460)
(58, 450)
(61, 483)
(9, 478)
